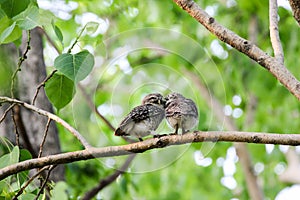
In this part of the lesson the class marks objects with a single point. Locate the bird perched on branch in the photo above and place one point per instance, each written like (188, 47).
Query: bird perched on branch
(181, 112)
(143, 120)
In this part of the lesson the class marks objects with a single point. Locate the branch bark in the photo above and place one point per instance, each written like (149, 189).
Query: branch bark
(139, 147)
(251, 50)
(295, 5)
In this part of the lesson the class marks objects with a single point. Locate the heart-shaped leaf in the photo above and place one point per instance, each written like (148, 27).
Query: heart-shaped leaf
(75, 66)
(60, 90)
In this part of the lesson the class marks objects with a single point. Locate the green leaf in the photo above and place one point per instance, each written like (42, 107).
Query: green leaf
(58, 33)
(27, 197)
(10, 158)
(91, 27)
(9, 32)
(45, 17)
(76, 67)
(24, 155)
(29, 18)
(60, 90)
(59, 191)
(14, 7)
(2, 13)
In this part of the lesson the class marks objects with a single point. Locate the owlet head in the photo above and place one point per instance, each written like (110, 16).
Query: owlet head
(170, 98)
(154, 98)
(174, 96)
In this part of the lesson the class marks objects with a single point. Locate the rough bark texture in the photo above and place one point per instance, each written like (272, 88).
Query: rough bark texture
(152, 143)
(295, 4)
(31, 125)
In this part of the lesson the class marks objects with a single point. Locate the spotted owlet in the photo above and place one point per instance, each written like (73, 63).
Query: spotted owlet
(143, 120)
(181, 112)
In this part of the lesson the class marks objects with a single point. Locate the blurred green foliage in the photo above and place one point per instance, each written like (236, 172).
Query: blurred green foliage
(147, 46)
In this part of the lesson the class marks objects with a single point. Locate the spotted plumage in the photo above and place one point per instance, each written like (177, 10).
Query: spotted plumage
(143, 120)
(181, 112)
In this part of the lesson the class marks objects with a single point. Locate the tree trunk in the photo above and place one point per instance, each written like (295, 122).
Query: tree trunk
(31, 126)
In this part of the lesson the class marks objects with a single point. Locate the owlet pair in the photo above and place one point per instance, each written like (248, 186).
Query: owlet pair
(143, 120)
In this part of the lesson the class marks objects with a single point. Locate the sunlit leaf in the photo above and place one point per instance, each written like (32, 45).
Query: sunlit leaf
(28, 19)
(2, 13)
(75, 66)
(91, 27)
(60, 90)
(10, 158)
(59, 191)
(27, 197)
(10, 33)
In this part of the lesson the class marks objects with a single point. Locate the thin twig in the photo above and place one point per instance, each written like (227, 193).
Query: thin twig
(49, 40)
(15, 127)
(45, 181)
(6, 112)
(28, 182)
(44, 137)
(21, 60)
(152, 143)
(93, 107)
(42, 84)
(72, 130)
(22, 130)
(110, 179)
(77, 38)
(274, 33)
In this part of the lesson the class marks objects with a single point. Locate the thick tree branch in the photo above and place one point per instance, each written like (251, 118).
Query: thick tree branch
(139, 147)
(274, 33)
(252, 51)
(50, 116)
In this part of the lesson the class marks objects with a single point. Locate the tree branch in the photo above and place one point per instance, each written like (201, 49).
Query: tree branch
(252, 51)
(50, 116)
(28, 182)
(139, 147)
(274, 33)
(42, 84)
(295, 5)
